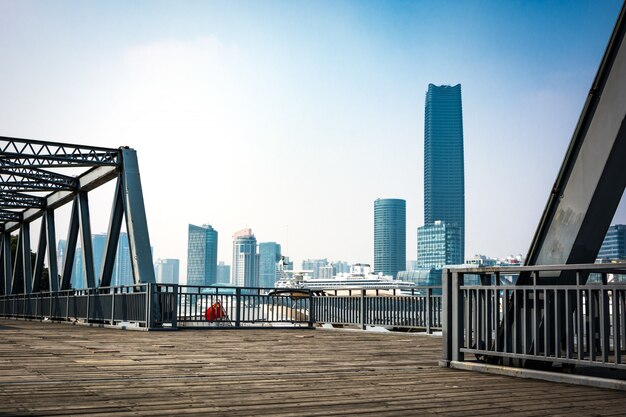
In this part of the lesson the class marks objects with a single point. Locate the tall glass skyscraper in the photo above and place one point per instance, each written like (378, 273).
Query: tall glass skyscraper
(444, 178)
(245, 259)
(269, 256)
(614, 244)
(202, 255)
(389, 236)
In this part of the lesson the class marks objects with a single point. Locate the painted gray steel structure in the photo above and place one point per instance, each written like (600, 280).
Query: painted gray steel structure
(592, 178)
(32, 187)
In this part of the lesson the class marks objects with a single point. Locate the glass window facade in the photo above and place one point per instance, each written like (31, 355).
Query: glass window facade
(389, 236)
(202, 255)
(269, 256)
(444, 179)
(438, 244)
(245, 260)
(614, 244)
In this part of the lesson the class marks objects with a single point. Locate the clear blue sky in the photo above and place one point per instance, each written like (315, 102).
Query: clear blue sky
(292, 117)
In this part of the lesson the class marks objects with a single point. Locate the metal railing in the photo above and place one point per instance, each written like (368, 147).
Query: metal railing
(568, 314)
(178, 306)
(135, 304)
(238, 307)
(421, 309)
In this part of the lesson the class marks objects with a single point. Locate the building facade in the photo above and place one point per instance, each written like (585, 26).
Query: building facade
(167, 271)
(245, 270)
(444, 166)
(269, 256)
(614, 244)
(223, 273)
(389, 236)
(202, 255)
(314, 266)
(438, 245)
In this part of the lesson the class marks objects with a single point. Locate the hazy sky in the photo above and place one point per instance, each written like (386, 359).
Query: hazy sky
(292, 117)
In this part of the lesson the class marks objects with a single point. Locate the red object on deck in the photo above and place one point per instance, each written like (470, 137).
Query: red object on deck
(215, 312)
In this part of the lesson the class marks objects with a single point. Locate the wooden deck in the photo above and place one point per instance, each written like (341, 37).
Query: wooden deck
(60, 369)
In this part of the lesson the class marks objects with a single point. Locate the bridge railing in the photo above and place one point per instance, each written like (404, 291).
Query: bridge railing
(134, 305)
(166, 305)
(574, 314)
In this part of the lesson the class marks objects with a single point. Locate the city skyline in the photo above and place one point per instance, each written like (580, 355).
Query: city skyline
(332, 120)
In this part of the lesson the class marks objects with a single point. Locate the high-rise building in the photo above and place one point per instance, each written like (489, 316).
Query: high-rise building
(98, 244)
(389, 236)
(223, 273)
(167, 271)
(245, 259)
(202, 255)
(123, 269)
(444, 178)
(438, 245)
(614, 244)
(314, 266)
(269, 255)
(340, 267)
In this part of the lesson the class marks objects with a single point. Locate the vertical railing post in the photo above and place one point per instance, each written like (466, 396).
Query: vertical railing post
(446, 319)
(311, 309)
(429, 310)
(362, 310)
(239, 306)
(174, 298)
(151, 318)
(88, 302)
(458, 319)
(112, 306)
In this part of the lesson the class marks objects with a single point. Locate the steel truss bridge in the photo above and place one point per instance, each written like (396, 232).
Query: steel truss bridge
(36, 178)
(560, 309)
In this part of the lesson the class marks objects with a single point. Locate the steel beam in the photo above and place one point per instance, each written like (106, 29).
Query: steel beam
(6, 263)
(27, 272)
(85, 233)
(113, 235)
(53, 270)
(592, 179)
(70, 248)
(87, 182)
(33, 153)
(40, 256)
(136, 222)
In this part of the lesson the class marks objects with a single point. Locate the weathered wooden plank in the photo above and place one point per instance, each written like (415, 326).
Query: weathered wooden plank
(53, 369)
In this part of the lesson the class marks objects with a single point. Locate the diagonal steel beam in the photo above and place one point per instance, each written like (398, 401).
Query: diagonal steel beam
(87, 182)
(33, 153)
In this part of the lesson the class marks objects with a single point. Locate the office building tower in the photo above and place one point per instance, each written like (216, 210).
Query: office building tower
(444, 178)
(438, 245)
(326, 272)
(269, 256)
(614, 244)
(389, 236)
(123, 269)
(202, 255)
(245, 267)
(223, 273)
(78, 278)
(98, 244)
(314, 266)
(340, 267)
(167, 271)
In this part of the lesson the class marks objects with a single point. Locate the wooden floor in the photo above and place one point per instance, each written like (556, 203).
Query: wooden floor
(61, 369)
